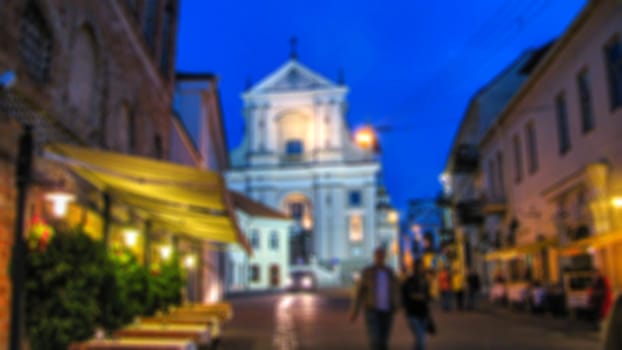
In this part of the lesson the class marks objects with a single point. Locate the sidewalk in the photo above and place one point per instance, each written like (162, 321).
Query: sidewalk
(563, 325)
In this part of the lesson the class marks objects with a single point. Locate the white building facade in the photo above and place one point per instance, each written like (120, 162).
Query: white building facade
(297, 156)
(268, 233)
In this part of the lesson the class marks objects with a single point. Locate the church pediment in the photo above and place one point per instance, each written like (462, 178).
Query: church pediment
(292, 76)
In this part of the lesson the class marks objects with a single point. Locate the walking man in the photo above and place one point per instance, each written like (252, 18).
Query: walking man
(377, 293)
(415, 299)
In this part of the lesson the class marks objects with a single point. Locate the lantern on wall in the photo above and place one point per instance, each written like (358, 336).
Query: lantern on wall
(60, 201)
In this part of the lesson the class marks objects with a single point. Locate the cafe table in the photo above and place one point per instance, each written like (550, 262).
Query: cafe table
(136, 344)
(199, 333)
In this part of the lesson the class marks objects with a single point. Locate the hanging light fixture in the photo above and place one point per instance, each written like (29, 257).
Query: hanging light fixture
(130, 236)
(190, 261)
(166, 251)
(60, 201)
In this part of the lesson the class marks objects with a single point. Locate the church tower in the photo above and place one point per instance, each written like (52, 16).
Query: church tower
(298, 156)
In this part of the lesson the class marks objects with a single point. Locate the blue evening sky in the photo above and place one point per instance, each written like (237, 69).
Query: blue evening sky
(410, 65)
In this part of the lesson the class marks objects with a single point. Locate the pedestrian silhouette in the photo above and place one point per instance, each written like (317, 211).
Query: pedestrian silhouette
(377, 292)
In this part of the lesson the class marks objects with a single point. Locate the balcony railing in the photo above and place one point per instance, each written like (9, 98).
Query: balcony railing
(470, 212)
(466, 158)
(494, 206)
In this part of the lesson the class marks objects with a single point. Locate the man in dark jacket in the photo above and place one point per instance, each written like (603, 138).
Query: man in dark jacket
(377, 292)
(415, 299)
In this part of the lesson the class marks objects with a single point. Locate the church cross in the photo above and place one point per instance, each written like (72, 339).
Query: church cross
(293, 42)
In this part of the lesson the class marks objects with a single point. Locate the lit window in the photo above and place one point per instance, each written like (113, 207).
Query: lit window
(613, 53)
(355, 226)
(354, 199)
(35, 43)
(585, 100)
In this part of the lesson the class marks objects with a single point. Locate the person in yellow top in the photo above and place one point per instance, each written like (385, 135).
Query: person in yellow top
(457, 285)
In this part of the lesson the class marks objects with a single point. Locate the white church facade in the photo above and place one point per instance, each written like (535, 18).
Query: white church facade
(298, 156)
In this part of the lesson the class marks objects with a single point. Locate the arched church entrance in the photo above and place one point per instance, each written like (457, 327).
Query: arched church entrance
(299, 207)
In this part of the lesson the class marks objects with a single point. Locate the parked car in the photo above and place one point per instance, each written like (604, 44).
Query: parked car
(301, 281)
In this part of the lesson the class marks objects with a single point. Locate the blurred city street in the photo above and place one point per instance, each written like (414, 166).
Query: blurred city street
(320, 321)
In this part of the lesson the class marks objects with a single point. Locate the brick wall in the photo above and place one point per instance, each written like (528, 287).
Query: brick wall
(127, 72)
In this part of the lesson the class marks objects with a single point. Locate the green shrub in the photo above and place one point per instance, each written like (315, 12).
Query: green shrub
(166, 283)
(74, 286)
(62, 289)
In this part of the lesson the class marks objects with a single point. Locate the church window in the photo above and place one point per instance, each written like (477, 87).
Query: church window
(35, 43)
(354, 199)
(294, 147)
(355, 227)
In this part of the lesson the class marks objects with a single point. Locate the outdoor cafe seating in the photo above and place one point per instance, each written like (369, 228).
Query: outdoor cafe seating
(188, 327)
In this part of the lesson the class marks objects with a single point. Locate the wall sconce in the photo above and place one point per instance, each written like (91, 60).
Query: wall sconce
(165, 252)
(130, 236)
(60, 201)
(616, 202)
(190, 261)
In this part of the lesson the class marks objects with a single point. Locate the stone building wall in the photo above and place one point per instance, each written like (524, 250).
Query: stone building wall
(94, 73)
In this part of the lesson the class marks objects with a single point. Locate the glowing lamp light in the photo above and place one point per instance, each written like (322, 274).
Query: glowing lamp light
(617, 202)
(306, 282)
(190, 261)
(365, 137)
(393, 217)
(60, 201)
(131, 236)
(165, 252)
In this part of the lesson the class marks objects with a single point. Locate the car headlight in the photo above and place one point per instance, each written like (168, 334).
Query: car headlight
(306, 282)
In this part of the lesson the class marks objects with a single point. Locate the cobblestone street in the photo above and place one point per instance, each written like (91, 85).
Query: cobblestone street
(319, 321)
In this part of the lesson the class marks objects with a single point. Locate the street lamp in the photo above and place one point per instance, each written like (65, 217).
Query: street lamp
(366, 138)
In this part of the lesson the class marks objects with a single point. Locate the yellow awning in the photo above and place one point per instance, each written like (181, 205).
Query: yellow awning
(584, 245)
(513, 252)
(184, 199)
